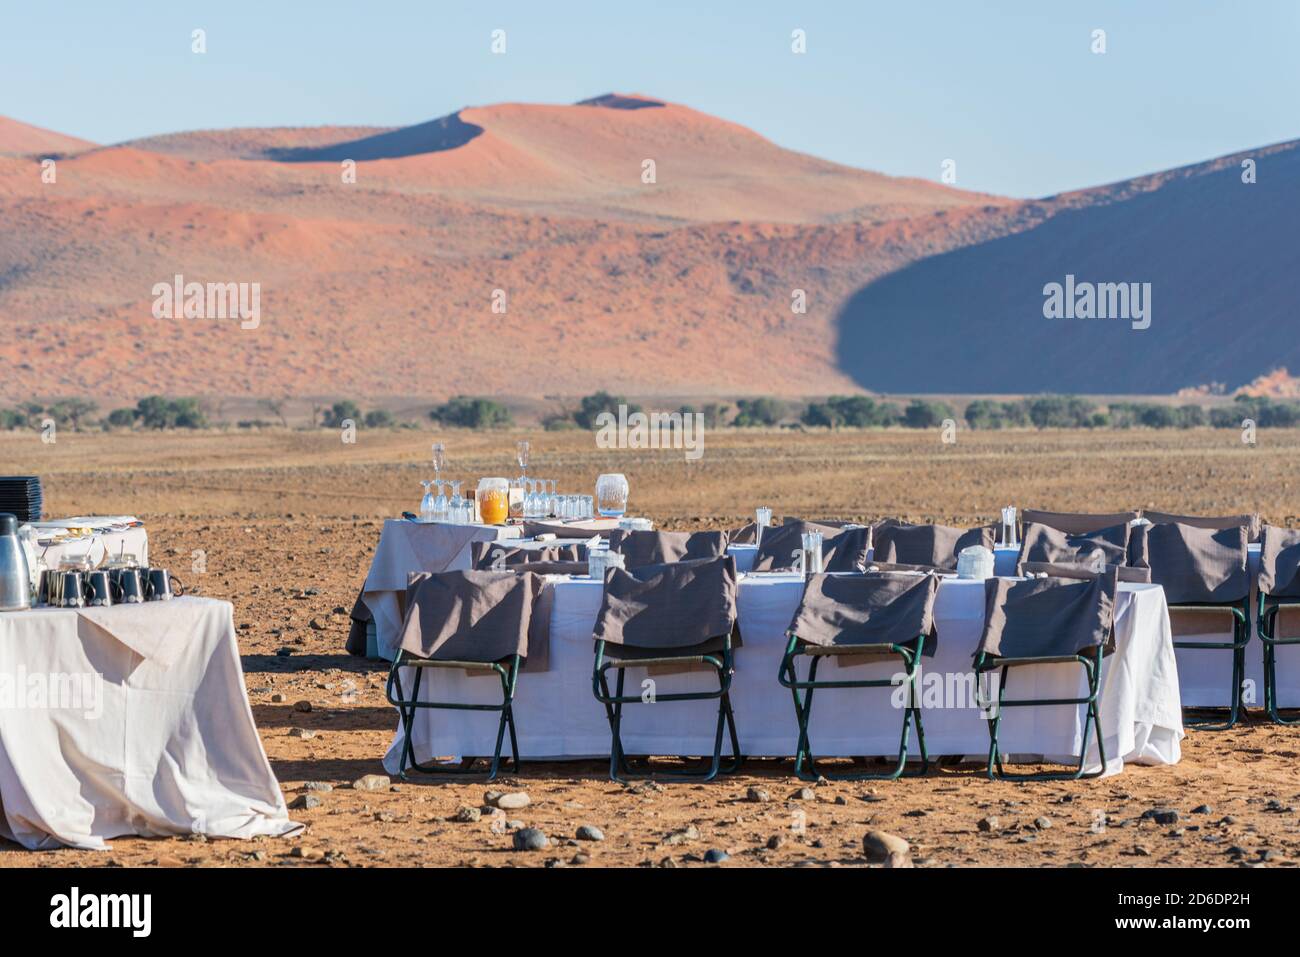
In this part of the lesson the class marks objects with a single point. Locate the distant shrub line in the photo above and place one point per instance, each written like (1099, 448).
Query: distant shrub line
(838, 411)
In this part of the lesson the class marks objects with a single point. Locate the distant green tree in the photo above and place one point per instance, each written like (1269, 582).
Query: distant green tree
(853, 411)
(380, 419)
(926, 414)
(593, 405)
(762, 411)
(1060, 412)
(157, 412)
(465, 412)
(121, 418)
(1230, 418)
(341, 412)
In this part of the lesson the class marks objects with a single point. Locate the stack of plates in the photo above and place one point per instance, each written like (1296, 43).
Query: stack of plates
(21, 494)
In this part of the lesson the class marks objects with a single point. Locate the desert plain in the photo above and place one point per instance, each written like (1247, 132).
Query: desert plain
(286, 523)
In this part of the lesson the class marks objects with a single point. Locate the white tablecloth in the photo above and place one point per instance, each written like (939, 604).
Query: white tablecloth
(557, 716)
(129, 720)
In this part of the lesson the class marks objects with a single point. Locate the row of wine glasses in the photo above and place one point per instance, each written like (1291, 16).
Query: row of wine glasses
(443, 507)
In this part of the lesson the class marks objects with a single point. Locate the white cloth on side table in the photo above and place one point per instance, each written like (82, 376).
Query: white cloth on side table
(129, 720)
(557, 716)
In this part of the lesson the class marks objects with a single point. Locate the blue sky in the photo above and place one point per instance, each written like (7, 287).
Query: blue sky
(1010, 90)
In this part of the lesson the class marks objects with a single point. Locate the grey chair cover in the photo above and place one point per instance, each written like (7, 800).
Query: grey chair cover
(843, 550)
(676, 609)
(1048, 617)
(1194, 565)
(1075, 523)
(936, 546)
(654, 548)
(855, 610)
(1044, 544)
(476, 616)
(486, 556)
(1252, 522)
(1279, 562)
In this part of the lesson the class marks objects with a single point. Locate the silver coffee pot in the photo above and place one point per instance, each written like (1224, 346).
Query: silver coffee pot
(15, 579)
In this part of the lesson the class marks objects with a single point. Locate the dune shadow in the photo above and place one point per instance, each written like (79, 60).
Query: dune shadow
(435, 136)
(1218, 255)
(615, 101)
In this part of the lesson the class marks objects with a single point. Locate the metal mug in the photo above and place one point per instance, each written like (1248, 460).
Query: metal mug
(99, 589)
(72, 590)
(49, 587)
(158, 585)
(129, 586)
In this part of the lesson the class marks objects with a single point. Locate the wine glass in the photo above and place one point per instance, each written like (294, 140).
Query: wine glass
(521, 456)
(440, 502)
(611, 494)
(427, 502)
(439, 459)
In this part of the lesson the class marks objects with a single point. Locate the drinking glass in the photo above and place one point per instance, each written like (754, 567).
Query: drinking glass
(517, 498)
(611, 494)
(456, 507)
(439, 459)
(812, 552)
(587, 506)
(552, 500)
(426, 503)
(494, 500)
(763, 516)
(440, 502)
(1009, 525)
(521, 456)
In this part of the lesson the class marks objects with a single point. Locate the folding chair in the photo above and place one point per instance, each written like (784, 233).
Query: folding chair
(676, 614)
(476, 621)
(1204, 572)
(1075, 523)
(935, 546)
(844, 547)
(655, 548)
(1279, 586)
(1046, 621)
(874, 617)
(1042, 544)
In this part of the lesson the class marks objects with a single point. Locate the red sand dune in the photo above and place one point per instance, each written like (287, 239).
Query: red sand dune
(17, 138)
(384, 286)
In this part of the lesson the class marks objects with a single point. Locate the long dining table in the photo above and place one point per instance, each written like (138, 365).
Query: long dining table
(557, 716)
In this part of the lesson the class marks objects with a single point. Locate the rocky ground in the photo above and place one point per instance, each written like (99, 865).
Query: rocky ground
(1232, 801)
